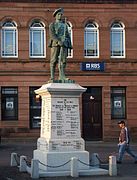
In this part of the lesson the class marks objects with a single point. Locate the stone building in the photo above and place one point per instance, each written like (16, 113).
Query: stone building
(103, 59)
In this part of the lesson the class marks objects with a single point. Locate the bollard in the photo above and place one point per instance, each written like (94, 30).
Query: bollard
(74, 167)
(23, 164)
(34, 169)
(13, 159)
(112, 166)
(94, 160)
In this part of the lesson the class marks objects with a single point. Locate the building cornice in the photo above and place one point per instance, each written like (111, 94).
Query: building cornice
(75, 1)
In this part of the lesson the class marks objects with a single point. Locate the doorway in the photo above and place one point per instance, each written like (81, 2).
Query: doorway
(92, 114)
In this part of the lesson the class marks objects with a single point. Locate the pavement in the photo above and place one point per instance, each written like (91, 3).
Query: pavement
(126, 171)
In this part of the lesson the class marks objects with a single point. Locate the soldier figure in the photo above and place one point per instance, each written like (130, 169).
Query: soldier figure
(59, 43)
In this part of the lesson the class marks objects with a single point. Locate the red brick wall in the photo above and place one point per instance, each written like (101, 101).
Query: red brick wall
(24, 71)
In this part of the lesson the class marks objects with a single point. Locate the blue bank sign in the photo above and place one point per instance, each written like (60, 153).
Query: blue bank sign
(92, 66)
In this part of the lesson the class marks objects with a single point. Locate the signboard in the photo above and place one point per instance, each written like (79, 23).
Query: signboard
(9, 105)
(117, 104)
(92, 66)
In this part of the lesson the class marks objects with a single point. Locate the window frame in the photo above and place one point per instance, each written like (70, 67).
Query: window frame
(42, 31)
(118, 96)
(95, 31)
(4, 109)
(34, 108)
(71, 37)
(14, 30)
(120, 29)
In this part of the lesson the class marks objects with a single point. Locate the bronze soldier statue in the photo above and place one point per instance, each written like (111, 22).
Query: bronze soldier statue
(60, 43)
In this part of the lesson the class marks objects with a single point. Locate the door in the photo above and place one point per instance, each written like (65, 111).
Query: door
(92, 113)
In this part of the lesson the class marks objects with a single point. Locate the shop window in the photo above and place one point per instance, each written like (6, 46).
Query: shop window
(117, 40)
(118, 103)
(35, 109)
(37, 40)
(9, 105)
(9, 47)
(91, 40)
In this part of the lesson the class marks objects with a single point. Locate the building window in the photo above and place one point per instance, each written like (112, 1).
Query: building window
(70, 51)
(9, 47)
(91, 40)
(117, 40)
(37, 40)
(35, 108)
(118, 103)
(9, 105)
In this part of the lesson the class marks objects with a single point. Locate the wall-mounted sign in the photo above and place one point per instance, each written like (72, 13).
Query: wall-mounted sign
(117, 104)
(9, 105)
(92, 66)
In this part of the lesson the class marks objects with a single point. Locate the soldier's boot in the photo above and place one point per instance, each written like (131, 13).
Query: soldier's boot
(52, 72)
(62, 72)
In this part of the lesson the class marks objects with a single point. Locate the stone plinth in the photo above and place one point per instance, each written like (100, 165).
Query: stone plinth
(60, 137)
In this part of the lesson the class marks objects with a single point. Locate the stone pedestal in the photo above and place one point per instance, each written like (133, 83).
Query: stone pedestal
(60, 148)
(60, 137)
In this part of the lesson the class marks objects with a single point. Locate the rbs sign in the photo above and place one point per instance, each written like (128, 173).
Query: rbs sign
(92, 66)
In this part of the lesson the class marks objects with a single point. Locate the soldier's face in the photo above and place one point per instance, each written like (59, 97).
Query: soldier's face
(59, 16)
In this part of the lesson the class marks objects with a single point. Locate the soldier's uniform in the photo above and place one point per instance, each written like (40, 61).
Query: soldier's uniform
(59, 43)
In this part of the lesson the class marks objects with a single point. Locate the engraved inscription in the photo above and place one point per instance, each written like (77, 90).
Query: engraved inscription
(65, 113)
(60, 118)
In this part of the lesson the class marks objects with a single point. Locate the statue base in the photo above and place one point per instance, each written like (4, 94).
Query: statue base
(60, 148)
(61, 81)
(61, 161)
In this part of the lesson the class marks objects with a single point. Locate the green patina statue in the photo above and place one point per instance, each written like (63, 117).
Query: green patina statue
(60, 43)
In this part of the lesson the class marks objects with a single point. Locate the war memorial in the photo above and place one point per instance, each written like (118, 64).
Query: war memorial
(60, 147)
